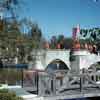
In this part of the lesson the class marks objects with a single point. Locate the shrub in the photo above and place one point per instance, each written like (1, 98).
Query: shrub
(11, 76)
(7, 95)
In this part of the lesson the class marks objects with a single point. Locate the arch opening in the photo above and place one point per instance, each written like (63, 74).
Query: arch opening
(56, 64)
(94, 67)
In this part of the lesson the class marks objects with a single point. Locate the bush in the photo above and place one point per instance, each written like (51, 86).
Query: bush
(6, 95)
(11, 76)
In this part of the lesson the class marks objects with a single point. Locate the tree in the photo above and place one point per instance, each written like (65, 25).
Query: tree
(9, 36)
(93, 35)
(33, 31)
(60, 41)
(13, 41)
(10, 26)
(64, 42)
(68, 43)
(60, 38)
(53, 42)
(10, 6)
(36, 35)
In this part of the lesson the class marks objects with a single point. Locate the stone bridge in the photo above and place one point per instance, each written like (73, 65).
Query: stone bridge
(82, 59)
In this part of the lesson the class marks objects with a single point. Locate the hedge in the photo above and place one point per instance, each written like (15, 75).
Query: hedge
(7, 95)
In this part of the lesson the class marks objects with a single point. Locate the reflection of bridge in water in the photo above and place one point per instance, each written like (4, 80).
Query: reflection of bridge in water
(80, 77)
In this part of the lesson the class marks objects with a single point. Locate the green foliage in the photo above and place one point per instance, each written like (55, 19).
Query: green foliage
(53, 42)
(3, 91)
(66, 43)
(9, 5)
(7, 95)
(11, 34)
(11, 76)
(12, 38)
(93, 34)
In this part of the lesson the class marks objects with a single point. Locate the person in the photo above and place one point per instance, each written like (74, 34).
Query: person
(94, 49)
(86, 46)
(76, 45)
(47, 45)
(82, 46)
(90, 48)
(58, 46)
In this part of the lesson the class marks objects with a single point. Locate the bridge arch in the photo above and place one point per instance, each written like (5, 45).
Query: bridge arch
(88, 60)
(54, 55)
(95, 66)
(57, 64)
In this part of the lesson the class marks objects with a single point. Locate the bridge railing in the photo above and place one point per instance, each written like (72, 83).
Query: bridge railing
(44, 83)
(98, 52)
(65, 82)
